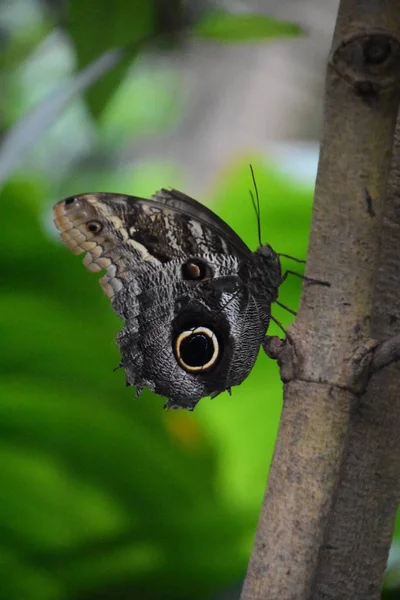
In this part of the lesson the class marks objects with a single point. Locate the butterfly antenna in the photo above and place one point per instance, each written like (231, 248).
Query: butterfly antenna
(304, 278)
(256, 204)
(253, 203)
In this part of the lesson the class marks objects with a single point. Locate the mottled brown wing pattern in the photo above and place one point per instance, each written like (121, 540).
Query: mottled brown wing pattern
(194, 299)
(118, 231)
(89, 225)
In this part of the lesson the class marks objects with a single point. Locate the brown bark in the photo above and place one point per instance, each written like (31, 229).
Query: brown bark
(334, 484)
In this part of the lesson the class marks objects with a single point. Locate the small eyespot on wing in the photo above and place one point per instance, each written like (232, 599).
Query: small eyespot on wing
(87, 225)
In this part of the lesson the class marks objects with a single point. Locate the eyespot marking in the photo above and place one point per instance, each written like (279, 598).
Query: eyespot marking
(94, 226)
(197, 349)
(76, 219)
(195, 269)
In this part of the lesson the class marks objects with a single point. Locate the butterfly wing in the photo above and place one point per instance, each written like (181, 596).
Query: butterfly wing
(184, 337)
(218, 234)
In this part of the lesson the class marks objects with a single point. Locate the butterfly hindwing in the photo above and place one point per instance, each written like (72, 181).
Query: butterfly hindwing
(194, 299)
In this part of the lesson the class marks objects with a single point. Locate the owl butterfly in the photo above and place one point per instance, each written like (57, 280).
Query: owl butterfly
(195, 300)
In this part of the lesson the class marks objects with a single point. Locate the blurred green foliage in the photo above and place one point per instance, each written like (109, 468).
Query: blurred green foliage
(100, 492)
(102, 496)
(241, 27)
(96, 27)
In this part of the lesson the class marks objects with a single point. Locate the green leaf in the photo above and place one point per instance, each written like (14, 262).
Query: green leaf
(99, 26)
(239, 27)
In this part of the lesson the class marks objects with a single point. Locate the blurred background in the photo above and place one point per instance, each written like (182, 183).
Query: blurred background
(101, 496)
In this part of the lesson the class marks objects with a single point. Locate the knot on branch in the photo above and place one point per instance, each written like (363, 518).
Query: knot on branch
(368, 358)
(361, 366)
(283, 352)
(369, 62)
(372, 357)
(386, 353)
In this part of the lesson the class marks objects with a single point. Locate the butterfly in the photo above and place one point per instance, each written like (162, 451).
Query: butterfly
(194, 299)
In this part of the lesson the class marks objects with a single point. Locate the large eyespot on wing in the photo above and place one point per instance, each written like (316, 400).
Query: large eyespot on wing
(88, 224)
(197, 349)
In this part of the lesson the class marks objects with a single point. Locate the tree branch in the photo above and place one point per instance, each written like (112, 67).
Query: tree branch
(386, 353)
(327, 518)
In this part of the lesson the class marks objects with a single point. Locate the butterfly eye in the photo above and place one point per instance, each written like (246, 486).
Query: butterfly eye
(94, 226)
(195, 270)
(197, 349)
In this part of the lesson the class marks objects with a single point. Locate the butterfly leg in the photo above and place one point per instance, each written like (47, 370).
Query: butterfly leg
(293, 312)
(279, 325)
(274, 337)
(284, 277)
(298, 260)
(304, 277)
